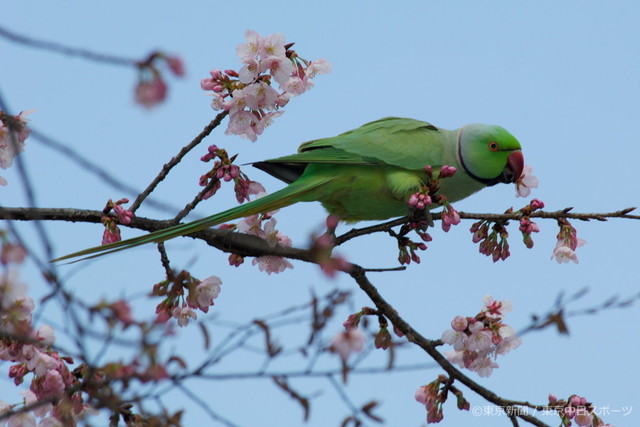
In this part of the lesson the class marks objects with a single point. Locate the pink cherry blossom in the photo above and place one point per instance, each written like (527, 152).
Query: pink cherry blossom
(496, 308)
(296, 86)
(11, 146)
(273, 45)
(564, 254)
(457, 339)
(183, 315)
(206, 291)
(526, 182)
(347, 342)
(46, 334)
(319, 66)
(478, 340)
(484, 366)
(260, 96)
(248, 95)
(280, 68)
(268, 263)
(422, 394)
(252, 47)
(272, 264)
(249, 72)
(40, 363)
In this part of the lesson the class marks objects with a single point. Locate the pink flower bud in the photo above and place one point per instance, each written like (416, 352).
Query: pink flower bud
(537, 204)
(332, 221)
(176, 65)
(447, 171)
(575, 400)
(207, 84)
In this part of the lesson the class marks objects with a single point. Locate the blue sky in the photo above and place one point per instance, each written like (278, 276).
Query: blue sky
(561, 76)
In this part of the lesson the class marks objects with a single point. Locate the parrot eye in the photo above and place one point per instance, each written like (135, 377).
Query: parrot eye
(493, 146)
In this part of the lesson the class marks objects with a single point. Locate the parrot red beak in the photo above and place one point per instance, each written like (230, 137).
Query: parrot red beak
(513, 170)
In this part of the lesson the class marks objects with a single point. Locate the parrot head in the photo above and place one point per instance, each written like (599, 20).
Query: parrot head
(490, 154)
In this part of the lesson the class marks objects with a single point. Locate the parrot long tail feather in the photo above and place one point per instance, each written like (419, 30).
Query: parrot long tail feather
(268, 203)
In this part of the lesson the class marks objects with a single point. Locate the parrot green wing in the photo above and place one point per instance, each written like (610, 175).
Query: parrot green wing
(406, 143)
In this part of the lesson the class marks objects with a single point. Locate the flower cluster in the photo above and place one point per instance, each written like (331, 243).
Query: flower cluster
(478, 340)
(526, 182)
(200, 296)
(576, 409)
(151, 88)
(427, 195)
(526, 225)
(111, 230)
(434, 394)
(254, 225)
(494, 244)
(224, 170)
(11, 146)
(31, 353)
(407, 247)
(567, 243)
(248, 95)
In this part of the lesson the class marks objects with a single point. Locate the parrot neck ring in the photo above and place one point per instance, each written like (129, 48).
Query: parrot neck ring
(511, 172)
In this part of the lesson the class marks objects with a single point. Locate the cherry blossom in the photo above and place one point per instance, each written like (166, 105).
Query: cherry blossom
(345, 343)
(567, 243)
(248, 94)
(478, 340)
(254, 225)
(183, 315)
(11, 146)
(204, 293)
(526, 182)
(432, 396)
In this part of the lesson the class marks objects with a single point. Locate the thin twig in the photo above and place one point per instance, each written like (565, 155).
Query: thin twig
(176, 159)
(66, 50)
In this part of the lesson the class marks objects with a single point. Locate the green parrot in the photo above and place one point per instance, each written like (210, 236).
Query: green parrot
(368, 173)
